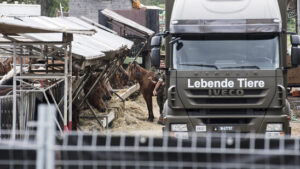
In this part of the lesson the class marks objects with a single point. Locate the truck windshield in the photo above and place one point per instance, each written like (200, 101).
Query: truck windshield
(226, 54)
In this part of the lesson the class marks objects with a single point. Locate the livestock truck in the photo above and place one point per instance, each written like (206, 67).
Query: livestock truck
(226, 66)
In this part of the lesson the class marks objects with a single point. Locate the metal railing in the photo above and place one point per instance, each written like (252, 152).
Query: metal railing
(45, 148)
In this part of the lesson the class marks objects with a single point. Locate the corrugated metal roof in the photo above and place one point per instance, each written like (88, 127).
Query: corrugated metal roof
(20, 10)
(14, 25)
(129, 23)
(89, 47)
(97, 24)
(152, 7)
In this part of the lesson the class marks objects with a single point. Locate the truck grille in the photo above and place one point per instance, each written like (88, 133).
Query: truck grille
(219, 121)
(226, 101)
(205, 112)
(251, 96)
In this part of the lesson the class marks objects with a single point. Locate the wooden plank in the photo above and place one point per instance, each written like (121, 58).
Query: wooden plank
(102, 119)
(129, 91)
(116, 90)
(110, 117)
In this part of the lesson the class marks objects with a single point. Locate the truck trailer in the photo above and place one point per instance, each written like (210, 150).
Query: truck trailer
(226, 66)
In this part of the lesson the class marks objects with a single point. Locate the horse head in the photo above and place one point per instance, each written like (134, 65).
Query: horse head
(132, 71)
(124, 77)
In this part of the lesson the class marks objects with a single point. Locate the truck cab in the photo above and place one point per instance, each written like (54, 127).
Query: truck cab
(226, 64)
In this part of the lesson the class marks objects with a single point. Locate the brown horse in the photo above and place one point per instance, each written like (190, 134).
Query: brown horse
(141, 75)
(5, 66)
(120, 79)
(100, 94)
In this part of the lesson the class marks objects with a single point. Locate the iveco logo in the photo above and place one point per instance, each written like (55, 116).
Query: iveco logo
(225, 92)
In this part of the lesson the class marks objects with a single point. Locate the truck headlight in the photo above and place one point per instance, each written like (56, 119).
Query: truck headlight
(274, 127)
(179, 127)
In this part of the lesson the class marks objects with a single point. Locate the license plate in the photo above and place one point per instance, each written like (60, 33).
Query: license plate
(182, 135)
(272, 134)
(200, 128)
(224, 128)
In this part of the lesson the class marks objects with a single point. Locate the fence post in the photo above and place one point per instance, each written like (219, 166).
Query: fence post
(50, 137)
(46, 137)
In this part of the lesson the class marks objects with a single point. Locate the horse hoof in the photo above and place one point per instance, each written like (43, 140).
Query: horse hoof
(150, 120)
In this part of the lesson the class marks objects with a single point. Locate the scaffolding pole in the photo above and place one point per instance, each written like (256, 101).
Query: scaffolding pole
(298, 16)
(14, 120)
(66, 90)
(70, 87)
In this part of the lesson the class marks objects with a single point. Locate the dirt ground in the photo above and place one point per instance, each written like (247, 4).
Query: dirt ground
(295, 123)
(295, 129)
(132, 118)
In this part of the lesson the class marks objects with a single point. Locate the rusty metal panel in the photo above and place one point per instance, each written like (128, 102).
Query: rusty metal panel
(146, 17)
(111, 15)
(137, 15)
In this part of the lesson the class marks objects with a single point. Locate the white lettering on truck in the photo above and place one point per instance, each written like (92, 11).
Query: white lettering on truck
(242, 83)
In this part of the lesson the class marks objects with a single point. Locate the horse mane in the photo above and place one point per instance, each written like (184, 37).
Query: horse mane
(141, 69)
(123, 71)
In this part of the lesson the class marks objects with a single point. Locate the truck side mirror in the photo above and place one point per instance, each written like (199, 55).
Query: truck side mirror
(155, 57)
(156, 41)
(155, 51)
(295, 56)
(295, 41)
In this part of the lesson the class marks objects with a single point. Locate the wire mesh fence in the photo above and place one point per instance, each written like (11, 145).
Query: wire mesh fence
(93, 150)
(43, 147)
(20, 153)
(80, 150)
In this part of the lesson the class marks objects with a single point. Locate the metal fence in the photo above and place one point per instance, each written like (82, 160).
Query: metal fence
(44, 149)
(79, 150)
(6, 112)
(31, 148)
(25, 111)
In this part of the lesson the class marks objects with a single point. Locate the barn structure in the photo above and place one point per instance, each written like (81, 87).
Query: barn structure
(49, 55)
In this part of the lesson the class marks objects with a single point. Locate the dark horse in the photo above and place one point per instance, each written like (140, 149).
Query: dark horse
(141, 75)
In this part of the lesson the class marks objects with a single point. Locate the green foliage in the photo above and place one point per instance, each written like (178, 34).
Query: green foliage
(162, 6)
(292, 25)
(153, 2)
(54, 6)
(49, 7)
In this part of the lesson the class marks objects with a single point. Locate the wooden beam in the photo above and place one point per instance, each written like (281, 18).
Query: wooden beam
(129, 91)
(108, 118)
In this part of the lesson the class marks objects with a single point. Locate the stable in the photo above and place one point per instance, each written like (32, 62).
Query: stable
(48, 55)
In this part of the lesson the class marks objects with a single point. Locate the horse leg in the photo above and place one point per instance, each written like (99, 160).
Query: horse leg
(148, 99)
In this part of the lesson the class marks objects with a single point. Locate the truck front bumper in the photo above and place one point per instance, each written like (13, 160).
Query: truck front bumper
(215, 124)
